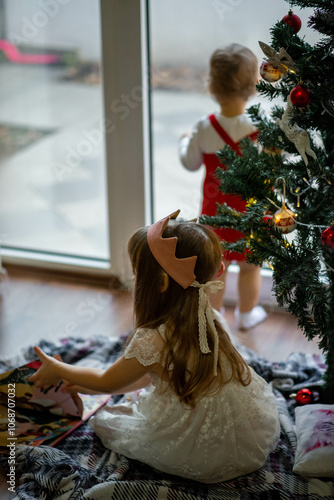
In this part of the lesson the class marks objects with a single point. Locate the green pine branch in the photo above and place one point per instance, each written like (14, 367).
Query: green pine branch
(323, 22)
(303, 268)
(317, 4)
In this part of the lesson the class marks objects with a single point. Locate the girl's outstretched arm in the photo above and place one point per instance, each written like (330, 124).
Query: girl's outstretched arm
(121, 374)
(139, 384)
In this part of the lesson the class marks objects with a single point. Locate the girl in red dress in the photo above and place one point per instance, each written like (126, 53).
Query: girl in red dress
(232, 80)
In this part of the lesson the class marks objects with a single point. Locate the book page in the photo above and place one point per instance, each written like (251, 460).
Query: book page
(34, 416)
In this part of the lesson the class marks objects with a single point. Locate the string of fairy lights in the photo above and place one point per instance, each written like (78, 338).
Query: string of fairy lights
(286, 220)
(284, 213)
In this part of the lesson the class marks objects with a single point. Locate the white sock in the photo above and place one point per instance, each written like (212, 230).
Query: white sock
(251, 318)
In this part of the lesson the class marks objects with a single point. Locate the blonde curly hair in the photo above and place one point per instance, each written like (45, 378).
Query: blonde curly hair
(233, 72)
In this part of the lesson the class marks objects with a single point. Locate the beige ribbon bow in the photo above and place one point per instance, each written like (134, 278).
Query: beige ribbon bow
(206, 315)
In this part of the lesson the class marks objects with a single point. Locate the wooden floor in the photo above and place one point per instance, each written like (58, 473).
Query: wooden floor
(34, 308)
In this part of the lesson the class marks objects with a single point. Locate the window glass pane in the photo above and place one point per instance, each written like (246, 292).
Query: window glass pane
(52, 174)
(183, 36)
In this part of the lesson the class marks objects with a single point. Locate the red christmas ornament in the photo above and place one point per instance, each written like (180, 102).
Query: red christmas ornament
(293, 21)
(327, 237)
(304, 397)
(267, 218)
(300, 96)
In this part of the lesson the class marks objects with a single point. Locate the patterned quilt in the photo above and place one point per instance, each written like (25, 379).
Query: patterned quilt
(81, 468)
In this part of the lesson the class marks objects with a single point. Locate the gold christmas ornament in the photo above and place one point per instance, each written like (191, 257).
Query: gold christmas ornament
(285, 220)
(280, 60)
(269, 72)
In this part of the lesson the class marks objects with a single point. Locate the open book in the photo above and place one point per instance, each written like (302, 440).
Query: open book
(39, 416)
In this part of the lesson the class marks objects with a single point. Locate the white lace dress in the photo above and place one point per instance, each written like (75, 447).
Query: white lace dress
(226, 435)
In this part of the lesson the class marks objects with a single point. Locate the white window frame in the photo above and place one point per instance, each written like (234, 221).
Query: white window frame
(125, 72)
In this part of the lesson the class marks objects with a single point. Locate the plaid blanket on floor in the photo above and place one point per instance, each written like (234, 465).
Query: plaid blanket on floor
(81, 468)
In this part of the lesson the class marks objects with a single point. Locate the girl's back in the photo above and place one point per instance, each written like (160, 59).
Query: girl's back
(201, 412)
(227, 434)
(206, 415)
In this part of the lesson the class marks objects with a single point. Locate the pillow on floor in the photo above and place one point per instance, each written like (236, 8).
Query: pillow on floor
(315, 440)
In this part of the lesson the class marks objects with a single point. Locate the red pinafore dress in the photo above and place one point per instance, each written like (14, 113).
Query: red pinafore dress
(212, 195)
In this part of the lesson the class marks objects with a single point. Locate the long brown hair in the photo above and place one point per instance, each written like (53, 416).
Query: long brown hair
(177, 309)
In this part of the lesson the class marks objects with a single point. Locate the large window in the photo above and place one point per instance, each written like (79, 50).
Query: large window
(184, 34)
(52, 131)
(73, 131)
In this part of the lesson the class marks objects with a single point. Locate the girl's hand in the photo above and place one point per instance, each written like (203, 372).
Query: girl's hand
(47, 374)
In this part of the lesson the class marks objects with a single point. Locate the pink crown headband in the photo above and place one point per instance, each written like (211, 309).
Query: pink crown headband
(163, 250)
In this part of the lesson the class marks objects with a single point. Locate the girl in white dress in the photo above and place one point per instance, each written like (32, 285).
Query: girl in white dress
(202, 412)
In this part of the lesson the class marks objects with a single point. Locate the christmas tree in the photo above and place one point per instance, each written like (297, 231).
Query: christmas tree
(288, 181)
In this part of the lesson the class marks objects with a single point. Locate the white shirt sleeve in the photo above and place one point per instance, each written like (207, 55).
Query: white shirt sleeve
(190, 152)
(146, 346)
(204, 139)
